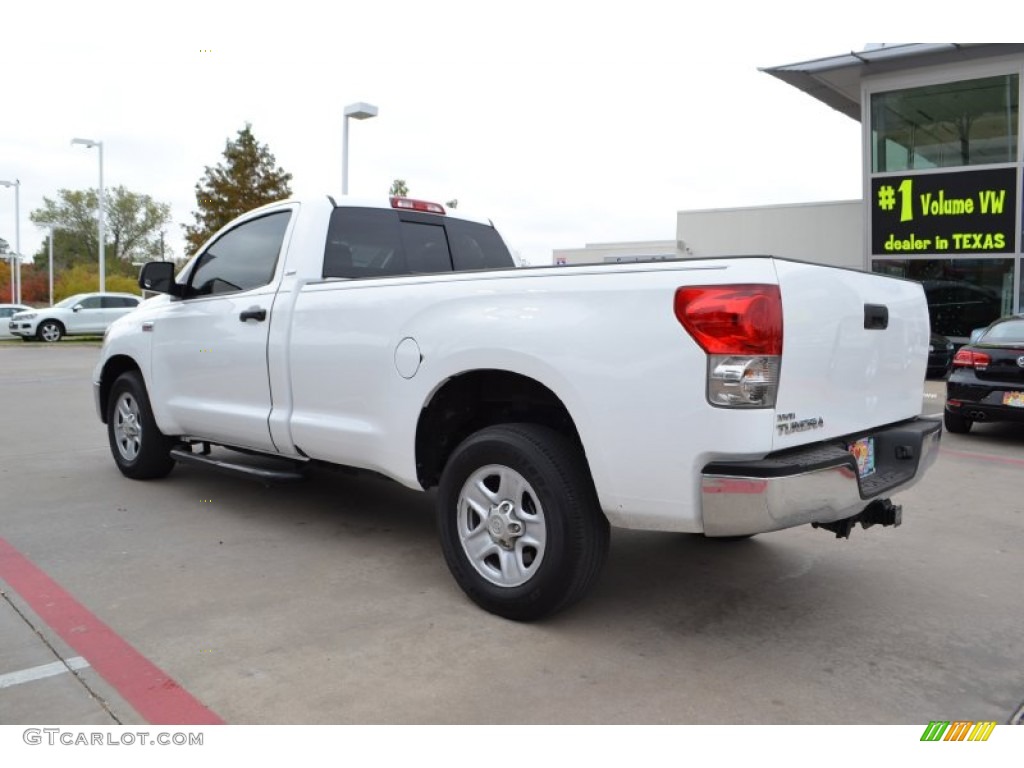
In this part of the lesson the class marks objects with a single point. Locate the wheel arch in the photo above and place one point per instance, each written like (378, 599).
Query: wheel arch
(477, 399)
(113, 368)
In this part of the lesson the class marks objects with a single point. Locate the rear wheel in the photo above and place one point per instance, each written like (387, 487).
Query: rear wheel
(141, 451)
(957, 424)
(520, 525)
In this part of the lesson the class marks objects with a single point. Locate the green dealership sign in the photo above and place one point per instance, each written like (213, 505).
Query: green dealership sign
(935, 213)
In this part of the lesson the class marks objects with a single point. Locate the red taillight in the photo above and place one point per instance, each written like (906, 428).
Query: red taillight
(416, 205)
(968, 358)
(732, 319)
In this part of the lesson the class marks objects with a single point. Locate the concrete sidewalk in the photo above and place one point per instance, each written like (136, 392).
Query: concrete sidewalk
(43, 681)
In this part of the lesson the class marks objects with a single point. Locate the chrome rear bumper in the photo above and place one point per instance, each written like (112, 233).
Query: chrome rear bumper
(816, 484)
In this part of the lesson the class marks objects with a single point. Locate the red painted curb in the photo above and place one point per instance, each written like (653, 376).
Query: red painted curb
(146, 687)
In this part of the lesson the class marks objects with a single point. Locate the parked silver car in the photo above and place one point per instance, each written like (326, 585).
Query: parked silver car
(84, 314)
(7, 311)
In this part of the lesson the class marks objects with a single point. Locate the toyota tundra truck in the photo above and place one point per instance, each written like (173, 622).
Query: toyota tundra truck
(726, 397)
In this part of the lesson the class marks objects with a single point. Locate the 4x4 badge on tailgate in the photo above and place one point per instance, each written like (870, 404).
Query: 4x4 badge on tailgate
(788, 423)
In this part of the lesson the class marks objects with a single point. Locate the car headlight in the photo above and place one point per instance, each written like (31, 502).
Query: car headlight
(26, 316)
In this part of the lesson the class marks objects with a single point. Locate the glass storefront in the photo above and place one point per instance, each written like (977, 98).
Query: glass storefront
(955, 231)
(962, 294)
(970, 122)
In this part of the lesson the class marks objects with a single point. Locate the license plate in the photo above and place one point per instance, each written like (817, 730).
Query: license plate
(1015, 399)
(864, 452)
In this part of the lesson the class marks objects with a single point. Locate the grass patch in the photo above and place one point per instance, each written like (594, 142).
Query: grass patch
(16, 341)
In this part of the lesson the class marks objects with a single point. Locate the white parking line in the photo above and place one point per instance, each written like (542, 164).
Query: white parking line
(43, 671)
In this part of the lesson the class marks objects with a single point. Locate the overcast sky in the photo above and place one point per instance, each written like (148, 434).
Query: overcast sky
(565, 123)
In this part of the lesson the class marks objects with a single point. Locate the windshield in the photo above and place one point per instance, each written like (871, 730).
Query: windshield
(1011, 332)
(70, 301)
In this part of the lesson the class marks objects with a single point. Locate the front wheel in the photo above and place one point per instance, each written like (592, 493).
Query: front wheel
(50, 330)
(520, 525)
(141, 451)
(957, 424)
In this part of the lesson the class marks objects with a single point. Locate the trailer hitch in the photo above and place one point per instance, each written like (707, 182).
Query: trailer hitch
(882, 512)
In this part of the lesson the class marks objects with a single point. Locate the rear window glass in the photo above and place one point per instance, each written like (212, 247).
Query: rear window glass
(364, 242)
(426, 247)
(376, 242)
(476, 246)
(1012, 330)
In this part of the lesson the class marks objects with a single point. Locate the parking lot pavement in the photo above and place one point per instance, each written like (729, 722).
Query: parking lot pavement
(329, 601)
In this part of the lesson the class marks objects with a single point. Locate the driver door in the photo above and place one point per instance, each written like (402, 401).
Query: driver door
(210, 347)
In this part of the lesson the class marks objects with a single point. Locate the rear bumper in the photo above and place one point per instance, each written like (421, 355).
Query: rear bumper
(983, 400)
(814, 484)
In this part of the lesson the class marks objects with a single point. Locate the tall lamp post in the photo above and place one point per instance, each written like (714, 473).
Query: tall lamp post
(16, 256)
(360, 111)
(51, 226)
(99, 144)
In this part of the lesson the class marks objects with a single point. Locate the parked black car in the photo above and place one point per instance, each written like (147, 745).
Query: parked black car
(940, 356)
(987, 382)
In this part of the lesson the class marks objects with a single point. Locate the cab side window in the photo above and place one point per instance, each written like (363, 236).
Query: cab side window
(241, 259)
(93, 302)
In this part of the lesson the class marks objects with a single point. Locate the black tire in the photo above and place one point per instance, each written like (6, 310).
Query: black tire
(50, 330)
(141, 451)
(957, 424)
(562, 541)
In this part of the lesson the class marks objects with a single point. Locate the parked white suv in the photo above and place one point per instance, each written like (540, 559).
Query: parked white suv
(84, 314)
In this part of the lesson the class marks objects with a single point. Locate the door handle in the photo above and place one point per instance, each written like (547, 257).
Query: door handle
(253, 313)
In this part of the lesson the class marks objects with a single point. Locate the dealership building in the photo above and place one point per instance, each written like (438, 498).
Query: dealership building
(942, 173)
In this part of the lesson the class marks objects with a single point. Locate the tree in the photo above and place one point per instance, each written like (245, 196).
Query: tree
(83, 278)
(133, 223)
(247, 179)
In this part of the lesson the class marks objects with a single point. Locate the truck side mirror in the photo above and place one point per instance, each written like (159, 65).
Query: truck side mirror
(158, 277)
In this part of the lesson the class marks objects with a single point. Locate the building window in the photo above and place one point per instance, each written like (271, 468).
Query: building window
(970, 122)
(962, 294)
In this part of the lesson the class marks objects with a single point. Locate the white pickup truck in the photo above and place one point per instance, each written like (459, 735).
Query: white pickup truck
(724, 397)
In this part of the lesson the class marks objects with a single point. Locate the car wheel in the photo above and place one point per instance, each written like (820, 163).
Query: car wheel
(141, 451)
(50, 330)
(957, 424)
(519, 521)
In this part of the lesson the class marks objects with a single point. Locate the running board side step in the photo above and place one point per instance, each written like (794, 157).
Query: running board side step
(261, 474)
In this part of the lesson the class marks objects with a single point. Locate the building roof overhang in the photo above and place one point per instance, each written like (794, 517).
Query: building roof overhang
(836, 80)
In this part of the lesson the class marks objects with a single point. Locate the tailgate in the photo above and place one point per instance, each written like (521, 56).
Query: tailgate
(855, 349)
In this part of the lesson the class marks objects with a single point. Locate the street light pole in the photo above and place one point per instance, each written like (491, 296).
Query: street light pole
(16, 256)
(360, 111)
(103, 267)
(52, 227)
